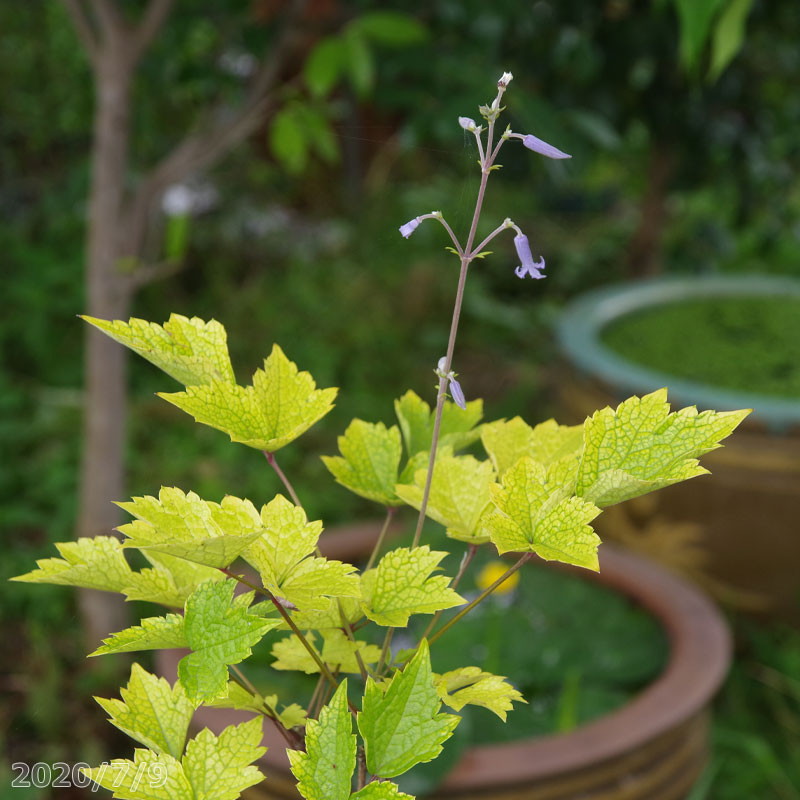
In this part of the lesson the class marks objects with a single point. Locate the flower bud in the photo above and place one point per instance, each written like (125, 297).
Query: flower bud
(466, 123)
(538, 146)
(409, 228)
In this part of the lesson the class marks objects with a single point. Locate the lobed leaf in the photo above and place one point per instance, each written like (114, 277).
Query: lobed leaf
(279, 406)
(457, 428)
(403, 727)
(282, 556)
(324, 771)
(170, 581)
(508, 441)
(92, 563)
(459, 495)
(155, 633)
(220, 767)
(338, 652)
(192, 351)
(369, 462)
(220, 632)
(402, 585)
(472, 686)
(532, 515)
(152, 712)
(640, 447)
(188, 527)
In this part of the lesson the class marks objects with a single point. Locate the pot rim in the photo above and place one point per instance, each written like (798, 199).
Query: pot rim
(700, 653)
(579, 326)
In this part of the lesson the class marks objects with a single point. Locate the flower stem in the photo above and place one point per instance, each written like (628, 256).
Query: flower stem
(390, 512)
(465, 562)
(289, 488)
(451, 343)
(312, 651)
(482, 596)
(384, 650)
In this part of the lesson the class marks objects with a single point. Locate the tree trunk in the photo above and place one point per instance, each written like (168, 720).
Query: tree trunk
(644, 251)
(108, 296)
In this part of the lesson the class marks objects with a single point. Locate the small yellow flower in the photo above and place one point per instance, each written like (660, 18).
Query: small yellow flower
(491, 572)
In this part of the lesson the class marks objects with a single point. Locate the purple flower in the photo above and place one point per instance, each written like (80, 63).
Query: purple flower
(409, 228)
(466, 123)
(455, 387)
(528, 265)
(538, 146)
(457, 394)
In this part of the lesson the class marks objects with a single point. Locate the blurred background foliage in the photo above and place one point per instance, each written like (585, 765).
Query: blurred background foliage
(682, 119)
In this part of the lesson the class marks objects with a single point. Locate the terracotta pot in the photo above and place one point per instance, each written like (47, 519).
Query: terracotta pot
(653, 748)
(753, 493)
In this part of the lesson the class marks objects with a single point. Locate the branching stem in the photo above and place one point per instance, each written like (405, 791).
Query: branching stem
(481, 597)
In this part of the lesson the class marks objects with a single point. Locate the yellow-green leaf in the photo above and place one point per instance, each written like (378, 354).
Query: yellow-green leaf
(472, 686)
(282, 556)
(170, 581)
(530, 515)
(220, 632)
(402, 585)
(279, 406)
(369, 462)
(152, 712)
(508, 441)
(96, 563)
(186, 526)
(338, 652)
(403, 727)
(192, 351)
(212, 768)
(381, 790)
(155, 633)
(459, 495)
(457, 428)
(640, 447)
(325, 770)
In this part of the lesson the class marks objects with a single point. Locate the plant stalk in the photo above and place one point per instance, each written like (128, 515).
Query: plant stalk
(481, 597)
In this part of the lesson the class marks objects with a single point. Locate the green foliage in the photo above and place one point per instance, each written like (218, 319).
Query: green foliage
(640, 447)
(369, 462)
(338, 652)
(192, 351)
(459, 495)
(220, 632)
(325, 770)
(281, 404)
(533, 515)
(96, 563)
(212, 768)
(402, 726)
(187, 527)
(155, 633)
(152, 712)
(416, 422)
(473, 686)
(508, 441)
(283, 558)
(402, 585)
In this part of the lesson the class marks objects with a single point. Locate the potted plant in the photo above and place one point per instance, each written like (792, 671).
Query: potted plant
(376, 711)
(723, 341)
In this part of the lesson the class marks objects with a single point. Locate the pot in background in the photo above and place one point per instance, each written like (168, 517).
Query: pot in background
(737, 529)
(653, 748)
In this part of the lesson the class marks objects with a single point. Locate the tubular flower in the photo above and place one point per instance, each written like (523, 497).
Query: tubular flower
(539, 146)
(528, 267)
(467, 123)
(455, 387)
(409, 228)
